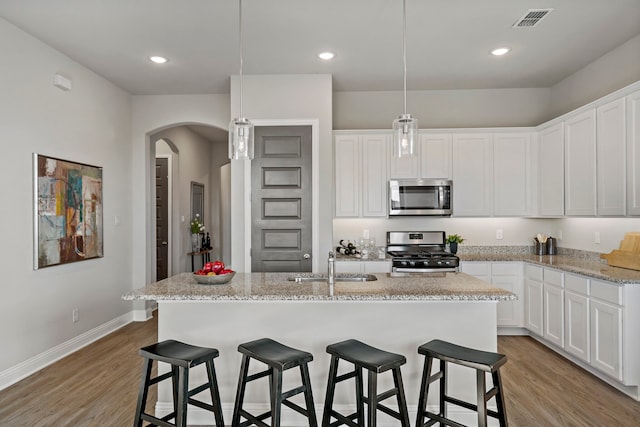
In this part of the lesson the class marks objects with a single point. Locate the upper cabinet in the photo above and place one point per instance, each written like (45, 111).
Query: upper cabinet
(361, 174)
(435, 155)
(633, 153)
(472, 174)
(512, 174)
(580, 164)
(610, 155)
(404, 167)
(551, 171)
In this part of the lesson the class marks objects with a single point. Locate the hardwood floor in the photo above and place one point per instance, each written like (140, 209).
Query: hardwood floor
(97, 386)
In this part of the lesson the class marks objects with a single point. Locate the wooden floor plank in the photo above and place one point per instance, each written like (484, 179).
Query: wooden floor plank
(98, 386)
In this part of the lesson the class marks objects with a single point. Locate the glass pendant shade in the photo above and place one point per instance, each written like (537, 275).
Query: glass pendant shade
(405, 135)
(240, 139)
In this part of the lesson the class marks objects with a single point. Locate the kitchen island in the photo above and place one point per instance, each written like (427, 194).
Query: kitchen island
(394, 314)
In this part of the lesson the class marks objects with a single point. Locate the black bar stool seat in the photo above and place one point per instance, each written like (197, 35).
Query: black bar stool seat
(375, 361)
(278, 357)
(482, 361)
(181, 357)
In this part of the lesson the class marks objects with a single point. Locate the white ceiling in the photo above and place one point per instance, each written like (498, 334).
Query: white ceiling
(447, 40)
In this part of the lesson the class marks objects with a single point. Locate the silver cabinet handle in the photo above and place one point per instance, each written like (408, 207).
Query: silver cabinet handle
(306, 256)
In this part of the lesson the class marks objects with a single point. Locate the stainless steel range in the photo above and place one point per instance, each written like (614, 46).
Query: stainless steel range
(419, 252)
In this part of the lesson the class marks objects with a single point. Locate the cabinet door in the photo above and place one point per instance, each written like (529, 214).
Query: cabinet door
(374, 150)
(580, 164)
(633, 154)
(610, 145)
(404, 167)
(606, 338)
(533, 306)
(576, 325)
(472, 175)
(511, 174)
(509, 312)
(554, 315)
(435, 156)
(551, 171)
(347, 163)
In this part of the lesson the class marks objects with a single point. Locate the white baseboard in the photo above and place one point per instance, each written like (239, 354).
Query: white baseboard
(30, 366)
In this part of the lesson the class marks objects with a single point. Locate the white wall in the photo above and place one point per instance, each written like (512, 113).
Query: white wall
(289, 97)
(89, 124)
(611, 72)
(442, 108)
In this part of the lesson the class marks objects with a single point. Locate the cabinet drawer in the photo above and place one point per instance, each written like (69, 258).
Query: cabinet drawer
(606, 291)
(553, 277)
(576, 284)
(505, 268)
(476, 268)
(533, 272)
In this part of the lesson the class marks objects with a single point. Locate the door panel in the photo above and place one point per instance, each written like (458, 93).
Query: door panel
(281, 199)
(162, 213)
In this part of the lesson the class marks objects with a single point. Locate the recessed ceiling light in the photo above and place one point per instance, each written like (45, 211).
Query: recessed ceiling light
(326, 55)
(500, 51)
(158, 59)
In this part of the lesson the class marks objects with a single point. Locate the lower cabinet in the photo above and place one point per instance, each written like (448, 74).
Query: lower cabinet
(576, 316)
(553, 306)
(533, 299)
(505, 275)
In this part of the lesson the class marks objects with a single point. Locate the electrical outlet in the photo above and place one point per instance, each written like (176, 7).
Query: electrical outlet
(559, 234)
(499, 235)
(365, 234)
(596, 238)
(75, 315)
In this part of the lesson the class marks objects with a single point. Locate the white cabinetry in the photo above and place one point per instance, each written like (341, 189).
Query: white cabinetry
(576, 316)
(553, 306)
(404, 167)
(606, 328)
(533, 297)
(435, 155)
(580, 164)
(551, 171)
(472, 174)
(361, 174)
(633, 153)
(610, 145)
(511, 174)
(505, 275)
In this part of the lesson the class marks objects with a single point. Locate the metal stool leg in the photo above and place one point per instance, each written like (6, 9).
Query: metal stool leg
(308, 395)
(502, 412)
(372, 398)
(424, 391)
(402, 401)
(276, 398)
(143, 392)
(244, 369)
(183, 393)
(215, 394)
(331, 388)
(360, 395)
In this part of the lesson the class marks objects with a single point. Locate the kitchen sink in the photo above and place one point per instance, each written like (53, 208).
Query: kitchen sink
(340, 277)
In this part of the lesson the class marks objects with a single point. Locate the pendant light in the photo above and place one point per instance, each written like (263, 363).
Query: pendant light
(240, 129)
(405, 127)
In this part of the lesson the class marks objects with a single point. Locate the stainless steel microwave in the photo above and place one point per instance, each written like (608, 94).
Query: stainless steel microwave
(420, 197)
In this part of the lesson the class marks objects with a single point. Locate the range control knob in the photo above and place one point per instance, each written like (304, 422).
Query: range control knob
(412, 263)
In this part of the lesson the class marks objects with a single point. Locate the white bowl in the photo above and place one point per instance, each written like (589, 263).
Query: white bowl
(218, 279)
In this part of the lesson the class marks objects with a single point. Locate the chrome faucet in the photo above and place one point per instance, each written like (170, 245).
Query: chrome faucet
(331, 274)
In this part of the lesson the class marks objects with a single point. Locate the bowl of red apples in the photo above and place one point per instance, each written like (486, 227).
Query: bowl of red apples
(213, 273)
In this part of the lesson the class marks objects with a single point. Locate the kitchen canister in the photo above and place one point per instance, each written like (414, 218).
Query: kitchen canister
(539, 248)
(551, 246)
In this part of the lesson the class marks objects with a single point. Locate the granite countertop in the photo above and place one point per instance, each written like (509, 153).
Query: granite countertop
(276, 287)
(573, 261)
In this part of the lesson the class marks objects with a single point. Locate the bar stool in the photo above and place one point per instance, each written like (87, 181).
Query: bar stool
(181, 357)
(278, 358)
(481, 361)
(375, 361)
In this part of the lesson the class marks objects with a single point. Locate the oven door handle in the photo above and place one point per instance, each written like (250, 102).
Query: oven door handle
(424, 270)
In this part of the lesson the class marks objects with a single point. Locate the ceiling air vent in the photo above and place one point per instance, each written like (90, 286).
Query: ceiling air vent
(531, 18)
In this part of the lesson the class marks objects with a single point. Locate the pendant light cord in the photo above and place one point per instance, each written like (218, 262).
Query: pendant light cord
(404, 50)
(241, 56)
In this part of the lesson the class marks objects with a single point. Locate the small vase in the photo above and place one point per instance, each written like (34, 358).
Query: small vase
(195, 242)
(453, 247)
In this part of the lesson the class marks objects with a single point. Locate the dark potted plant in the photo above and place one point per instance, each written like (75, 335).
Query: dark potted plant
(453, 240)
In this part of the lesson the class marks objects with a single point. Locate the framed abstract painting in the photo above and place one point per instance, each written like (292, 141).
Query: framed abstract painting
(67, 211)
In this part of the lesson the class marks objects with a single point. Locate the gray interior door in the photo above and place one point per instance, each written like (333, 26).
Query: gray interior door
(162, 215)
(281, 199)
